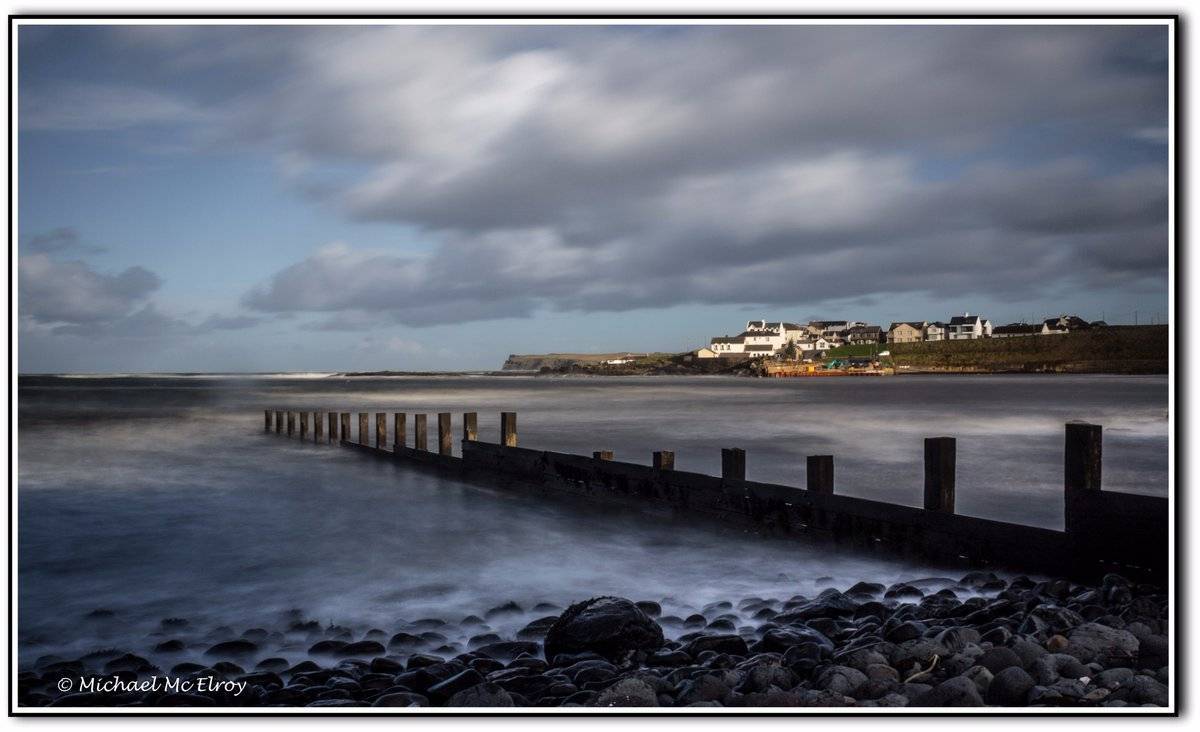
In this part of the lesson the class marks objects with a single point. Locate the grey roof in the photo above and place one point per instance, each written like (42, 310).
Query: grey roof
(964, 320)
(727, 339)
(1016, 328)
(918, 324)
(760, 347)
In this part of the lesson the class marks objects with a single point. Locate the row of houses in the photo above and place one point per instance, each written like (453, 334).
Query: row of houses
(768, 338)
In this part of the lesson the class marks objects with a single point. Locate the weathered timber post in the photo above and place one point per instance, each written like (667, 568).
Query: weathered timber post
(278, 422)
(939, 474)
(291, 427)
(267, 415)
(508, 429)
(819, 474)
(345, 423)
(399, 427)
(602, 455)
(318, 427)
(380, 430)
(470, 426)
(445, 435)
(333, 427)
(419, 442)
(1081, 470)
(363, 436)
(664, 460)
(733, 463)
(303, 416)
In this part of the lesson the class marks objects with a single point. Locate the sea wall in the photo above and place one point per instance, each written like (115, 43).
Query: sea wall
(1104, 531)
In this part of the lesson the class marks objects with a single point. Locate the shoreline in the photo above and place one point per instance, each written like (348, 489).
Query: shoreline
(929, 642)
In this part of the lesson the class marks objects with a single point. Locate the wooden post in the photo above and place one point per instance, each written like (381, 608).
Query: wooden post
(398, 426)
(1081, 469)
(819, 474)
(470, 426)
(508, 429)
(278, 422)
(381, 430)
(363, 437)
(445, 436)
(345, 434)
(664, 460)
(602, 455)
(318, 427)
(303, 417)
(419, 442)
(733, 463)
(267, 425)
(939, 474)
(333, 426)
(291, 427)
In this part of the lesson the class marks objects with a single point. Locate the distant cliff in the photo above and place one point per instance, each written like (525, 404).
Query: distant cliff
(538, 361)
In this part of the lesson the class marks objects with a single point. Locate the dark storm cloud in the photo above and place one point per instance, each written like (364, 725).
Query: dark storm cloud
(591, 171)
(606, 169)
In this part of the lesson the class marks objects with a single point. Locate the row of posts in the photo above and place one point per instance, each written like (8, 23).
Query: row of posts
(339, 428)
(1083, 451)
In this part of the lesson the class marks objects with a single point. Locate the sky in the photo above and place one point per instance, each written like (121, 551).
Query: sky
(326, 198)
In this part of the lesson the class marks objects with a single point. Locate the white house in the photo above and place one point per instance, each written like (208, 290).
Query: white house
(725, 345)
(936, 331)
(966, 327)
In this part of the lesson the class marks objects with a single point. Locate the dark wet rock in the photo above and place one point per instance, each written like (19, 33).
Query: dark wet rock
(866, 589)
(508, 609)
(170, 646)
(183, 669)
(695, 620)
(903, 593)
(731, 644)
(483, 639)
(272, 664)
(611, 627)
(507, 650)
(443, 690)
(481, 695)
(536, 630)
(955, 692)
(303, 667)
(1010, 687)
(126, 662)
(326, 647)
(829, 604)
(1095, 642)
(905, 631)
(841, 680)
(652, 609)
(405, 642)
(361, 649)
(957, 638)
(782, 638)
(401, 699)
(629, 692)
(545, 607)
(998, 659)
(471, 621)
(1053, 666)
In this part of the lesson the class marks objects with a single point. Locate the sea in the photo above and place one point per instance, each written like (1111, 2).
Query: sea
(145, 497)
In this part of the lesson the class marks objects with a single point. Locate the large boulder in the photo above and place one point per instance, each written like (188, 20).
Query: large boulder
(958, 691)
(611, 627)
(1094, 642)
(1010, 687)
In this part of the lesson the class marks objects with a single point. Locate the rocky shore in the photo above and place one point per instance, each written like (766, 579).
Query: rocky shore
(934, 642)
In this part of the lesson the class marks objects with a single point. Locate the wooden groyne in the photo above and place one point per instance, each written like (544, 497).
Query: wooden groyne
(1104, 531)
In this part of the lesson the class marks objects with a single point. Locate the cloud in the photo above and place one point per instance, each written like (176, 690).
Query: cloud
(93, 107)
(598, 169)
(53, 291)
(70, 297)
(61, 240)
